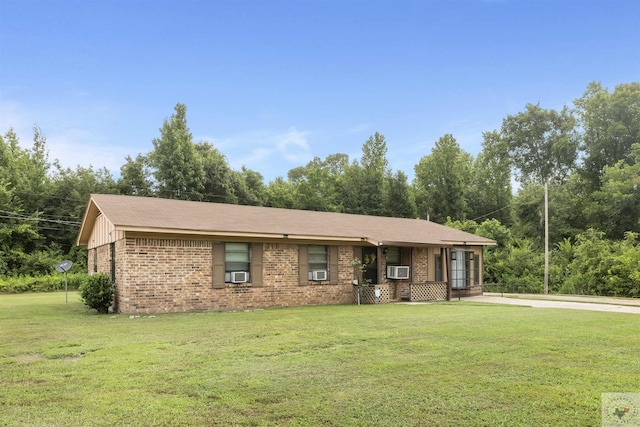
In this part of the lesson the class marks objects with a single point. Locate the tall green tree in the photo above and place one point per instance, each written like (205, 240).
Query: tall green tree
(615, 208)
(12, 159)
(26, 169)
(350, 189)
(374, 169)
(28, 226)
(441, 181)
(177, 167)
(336, 164)
(400, 201)
(544, 147)
(490, 193)
(311, 187)
(280, 194)
(543, 144)
(611, 125)
(362, 186)
(248, 186)
(35, 171)
(67, 198)
(565, 212)
(17, 235)
(316, 184)
(135, 177)
(217, 185)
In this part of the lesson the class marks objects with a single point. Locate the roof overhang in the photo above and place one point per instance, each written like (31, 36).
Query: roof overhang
(88, 221)
(467, 243)
(234, 236)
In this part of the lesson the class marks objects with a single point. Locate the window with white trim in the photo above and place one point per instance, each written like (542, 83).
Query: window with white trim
(237, 258)
(461, 269)
(318, 258)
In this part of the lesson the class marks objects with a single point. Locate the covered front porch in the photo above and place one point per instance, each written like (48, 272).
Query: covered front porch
(416, 273)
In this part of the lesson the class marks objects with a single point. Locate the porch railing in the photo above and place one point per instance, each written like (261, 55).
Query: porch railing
(382, 294)
(428, 291)
(372, 294)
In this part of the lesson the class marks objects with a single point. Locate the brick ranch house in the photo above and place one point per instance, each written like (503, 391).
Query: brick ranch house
(174, 256)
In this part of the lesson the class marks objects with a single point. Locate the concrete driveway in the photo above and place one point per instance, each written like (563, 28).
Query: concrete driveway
(615, 305)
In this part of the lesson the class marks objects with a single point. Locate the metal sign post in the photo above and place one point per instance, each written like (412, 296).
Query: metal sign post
(63, 267)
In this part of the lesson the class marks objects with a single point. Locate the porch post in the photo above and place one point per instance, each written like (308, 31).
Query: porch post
(447, 262)
(379, 255)
(480, 260)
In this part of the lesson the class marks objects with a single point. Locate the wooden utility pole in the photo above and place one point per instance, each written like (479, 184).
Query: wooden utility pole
(546, 238)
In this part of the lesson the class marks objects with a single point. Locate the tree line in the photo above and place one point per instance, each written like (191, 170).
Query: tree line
(588, 154)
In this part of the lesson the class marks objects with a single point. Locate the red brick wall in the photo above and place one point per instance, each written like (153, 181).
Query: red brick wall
(421, 260)
(164, 275)
(174, 275)
(103, 258)
(419, 264)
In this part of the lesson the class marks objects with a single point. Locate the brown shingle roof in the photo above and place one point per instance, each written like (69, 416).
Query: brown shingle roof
(185, 217)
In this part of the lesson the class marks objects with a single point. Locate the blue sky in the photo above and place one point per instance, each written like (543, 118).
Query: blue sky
(274, 83)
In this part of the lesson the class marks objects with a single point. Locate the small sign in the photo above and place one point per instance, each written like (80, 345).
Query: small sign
(378, 292)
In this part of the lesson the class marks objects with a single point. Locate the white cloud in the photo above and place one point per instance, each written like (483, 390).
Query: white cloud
(255, 157)
(293, 146)
(359, 128)
(468, 134)
(75, 137)
(270, 153)
(12, 116)
(73, 147)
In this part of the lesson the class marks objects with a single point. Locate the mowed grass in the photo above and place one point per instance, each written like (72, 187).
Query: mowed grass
(445, 364)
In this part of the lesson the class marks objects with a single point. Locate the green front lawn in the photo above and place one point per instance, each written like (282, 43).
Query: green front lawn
(446, 364)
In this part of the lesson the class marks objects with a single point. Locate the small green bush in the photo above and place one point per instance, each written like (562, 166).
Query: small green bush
(97, 292)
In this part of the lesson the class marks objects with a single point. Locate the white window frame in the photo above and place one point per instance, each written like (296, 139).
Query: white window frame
(236, 250)
(318, 259)
(462, 271)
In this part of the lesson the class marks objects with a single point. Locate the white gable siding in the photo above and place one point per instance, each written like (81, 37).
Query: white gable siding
(103, 232)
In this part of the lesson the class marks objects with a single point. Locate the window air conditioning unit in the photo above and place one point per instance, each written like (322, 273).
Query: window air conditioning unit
(397, 272)
(319, 275)
(239, 277)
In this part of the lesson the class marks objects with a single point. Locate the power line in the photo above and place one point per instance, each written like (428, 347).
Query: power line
(491, 213)
(37, 217)
(41, 216)
(48, 196)
(16, 215)
(42, 227)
